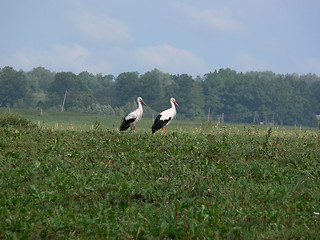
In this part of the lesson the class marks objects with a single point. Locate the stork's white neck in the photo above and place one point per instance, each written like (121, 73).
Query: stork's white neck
(173, 106)
(140, 106)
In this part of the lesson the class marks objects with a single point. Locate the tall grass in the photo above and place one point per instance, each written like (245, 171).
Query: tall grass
(215, 182)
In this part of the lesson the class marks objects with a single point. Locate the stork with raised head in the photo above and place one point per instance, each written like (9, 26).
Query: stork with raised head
(165, 117)
(133, 118)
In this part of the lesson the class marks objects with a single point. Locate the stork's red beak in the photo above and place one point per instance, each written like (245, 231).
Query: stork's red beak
(176, 103)
(144, 103)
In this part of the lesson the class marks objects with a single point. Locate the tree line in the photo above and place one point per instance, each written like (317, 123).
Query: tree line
(224, 94)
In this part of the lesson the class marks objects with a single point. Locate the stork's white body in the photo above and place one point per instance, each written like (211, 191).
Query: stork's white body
(136, 114)
(168, 114)
(133, 118)
(165, 117)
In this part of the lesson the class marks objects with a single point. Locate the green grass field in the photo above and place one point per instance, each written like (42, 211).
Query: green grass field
(202, 180)
(83, 122)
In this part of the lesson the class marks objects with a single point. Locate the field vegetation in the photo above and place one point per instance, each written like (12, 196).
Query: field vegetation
(202, 180)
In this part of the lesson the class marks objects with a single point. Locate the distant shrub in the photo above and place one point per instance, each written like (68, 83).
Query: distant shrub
(100, 109)
(14, 120)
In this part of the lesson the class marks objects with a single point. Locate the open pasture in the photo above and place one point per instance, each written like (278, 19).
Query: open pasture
(84, 122)
(200, 181)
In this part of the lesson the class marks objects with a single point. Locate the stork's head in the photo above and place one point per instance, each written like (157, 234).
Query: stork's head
(139, 99)
(174, 101)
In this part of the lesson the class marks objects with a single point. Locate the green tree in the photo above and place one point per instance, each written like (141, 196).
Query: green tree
(102, 87)
(300, 101)
(189, 96)
(315, 97)
(106, 92)
(126, 88)
(213, 88)
(39, 80)
(13, 88)
(79, 95)
(151, 87)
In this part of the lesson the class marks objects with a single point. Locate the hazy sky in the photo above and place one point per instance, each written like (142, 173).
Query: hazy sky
(175, 36)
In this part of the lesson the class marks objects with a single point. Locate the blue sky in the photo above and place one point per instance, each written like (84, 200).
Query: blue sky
(193, 37)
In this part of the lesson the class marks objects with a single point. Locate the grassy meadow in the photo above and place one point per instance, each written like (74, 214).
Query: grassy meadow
(74, 176)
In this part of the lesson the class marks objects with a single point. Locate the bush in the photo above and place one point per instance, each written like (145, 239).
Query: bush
(14, 120)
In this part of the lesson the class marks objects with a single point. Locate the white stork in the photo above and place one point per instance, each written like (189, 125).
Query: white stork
(165, 117)
(133, 118)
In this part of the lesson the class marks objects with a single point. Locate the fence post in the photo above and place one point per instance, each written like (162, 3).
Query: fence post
(64, 100)
(318, 118)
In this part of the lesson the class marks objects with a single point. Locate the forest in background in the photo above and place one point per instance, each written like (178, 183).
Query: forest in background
(221, 95)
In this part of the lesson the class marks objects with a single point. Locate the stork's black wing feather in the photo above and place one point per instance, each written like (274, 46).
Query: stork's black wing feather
(159, 123)
(126, 123)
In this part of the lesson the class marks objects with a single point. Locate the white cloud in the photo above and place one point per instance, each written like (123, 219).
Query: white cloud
(75, 53)
(58, 58)
(168, 59)
(76, 59)
(209, 19)
(101, 28)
